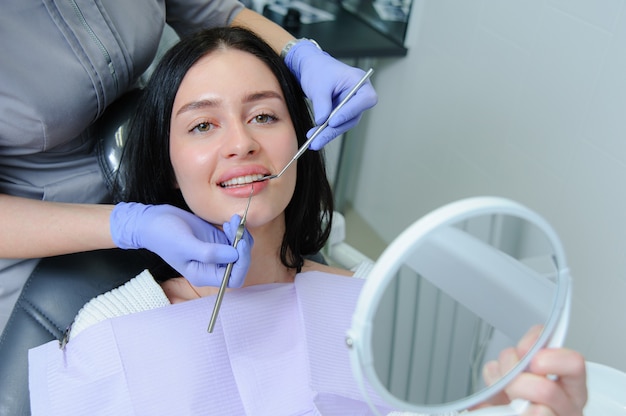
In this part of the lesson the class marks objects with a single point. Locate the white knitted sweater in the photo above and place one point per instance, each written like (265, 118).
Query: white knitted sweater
(138, 294)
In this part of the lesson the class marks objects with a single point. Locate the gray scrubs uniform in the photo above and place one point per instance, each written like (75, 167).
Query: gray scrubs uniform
(62, 63)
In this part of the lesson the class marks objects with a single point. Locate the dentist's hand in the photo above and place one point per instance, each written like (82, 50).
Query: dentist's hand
(326, 81)
(195, 248)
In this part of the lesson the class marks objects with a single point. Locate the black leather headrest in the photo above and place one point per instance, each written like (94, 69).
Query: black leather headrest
(52, 296)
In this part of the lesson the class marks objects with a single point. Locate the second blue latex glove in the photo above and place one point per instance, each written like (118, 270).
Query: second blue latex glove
(196, 249)
(326, 81)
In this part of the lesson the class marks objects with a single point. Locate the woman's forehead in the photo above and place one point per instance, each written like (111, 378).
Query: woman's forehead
(226, 73)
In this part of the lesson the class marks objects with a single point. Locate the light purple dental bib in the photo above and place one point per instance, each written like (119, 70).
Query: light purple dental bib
(277, 349)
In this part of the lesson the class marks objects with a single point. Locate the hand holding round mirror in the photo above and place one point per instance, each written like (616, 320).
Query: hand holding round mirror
(460, 286)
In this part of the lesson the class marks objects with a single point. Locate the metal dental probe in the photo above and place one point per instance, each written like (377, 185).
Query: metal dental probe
(305, 146)
(229, 268)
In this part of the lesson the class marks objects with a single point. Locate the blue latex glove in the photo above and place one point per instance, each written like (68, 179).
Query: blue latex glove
(326, 81)
(195, 248)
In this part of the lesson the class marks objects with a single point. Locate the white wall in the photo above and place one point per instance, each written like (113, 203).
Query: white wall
(524, 99)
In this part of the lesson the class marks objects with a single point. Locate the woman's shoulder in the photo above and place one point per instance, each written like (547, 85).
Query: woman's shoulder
(138, 294)
(312, 266)
(359, 271)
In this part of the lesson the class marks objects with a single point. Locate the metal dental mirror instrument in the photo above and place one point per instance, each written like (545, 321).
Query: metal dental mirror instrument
(229, 268)
(306, 144)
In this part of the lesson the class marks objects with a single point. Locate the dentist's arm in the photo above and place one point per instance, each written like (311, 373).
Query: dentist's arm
(324, 79)
(196, 249)
(32, 228)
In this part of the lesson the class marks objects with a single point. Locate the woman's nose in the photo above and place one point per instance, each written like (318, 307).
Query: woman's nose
(240, 142)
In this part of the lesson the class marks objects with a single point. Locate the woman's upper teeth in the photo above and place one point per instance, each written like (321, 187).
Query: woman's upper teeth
(242, 180)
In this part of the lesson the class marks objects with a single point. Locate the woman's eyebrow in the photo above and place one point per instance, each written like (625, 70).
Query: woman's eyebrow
(195, 105)
(261, 95)
(206, 103)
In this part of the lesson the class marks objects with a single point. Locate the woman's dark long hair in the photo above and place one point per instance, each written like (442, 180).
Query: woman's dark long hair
(147, 172)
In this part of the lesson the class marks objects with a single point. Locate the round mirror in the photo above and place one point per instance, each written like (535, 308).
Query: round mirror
(453, 290)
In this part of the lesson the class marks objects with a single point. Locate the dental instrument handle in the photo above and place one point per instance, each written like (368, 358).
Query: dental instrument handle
(343, 102)
(225, 280)
(229, 267)
(220, 296)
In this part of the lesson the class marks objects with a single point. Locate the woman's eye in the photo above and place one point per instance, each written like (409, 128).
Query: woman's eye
(202, 127)
(264, 118)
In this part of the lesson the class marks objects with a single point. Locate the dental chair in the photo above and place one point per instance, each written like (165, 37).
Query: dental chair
(55, 291)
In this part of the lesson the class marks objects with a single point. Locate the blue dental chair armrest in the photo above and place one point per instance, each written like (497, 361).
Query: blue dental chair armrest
(51, 298)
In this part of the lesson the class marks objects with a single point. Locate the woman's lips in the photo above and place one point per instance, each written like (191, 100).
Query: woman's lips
(244, 189)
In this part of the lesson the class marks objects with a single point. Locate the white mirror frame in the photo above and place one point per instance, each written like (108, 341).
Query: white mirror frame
(359, 337)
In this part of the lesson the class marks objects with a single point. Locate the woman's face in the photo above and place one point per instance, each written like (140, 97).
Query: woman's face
(230, 125)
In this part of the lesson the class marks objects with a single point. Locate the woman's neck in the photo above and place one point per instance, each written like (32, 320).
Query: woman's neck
(265, 265)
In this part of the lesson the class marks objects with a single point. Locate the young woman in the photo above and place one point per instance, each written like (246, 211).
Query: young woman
(220, 112)
(218, 129)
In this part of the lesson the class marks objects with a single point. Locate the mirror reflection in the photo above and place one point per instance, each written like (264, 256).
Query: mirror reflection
(466, 293)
